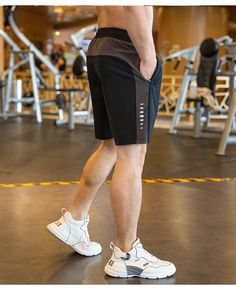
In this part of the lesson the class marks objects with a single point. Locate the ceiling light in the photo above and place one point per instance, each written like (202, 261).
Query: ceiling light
(58, 10)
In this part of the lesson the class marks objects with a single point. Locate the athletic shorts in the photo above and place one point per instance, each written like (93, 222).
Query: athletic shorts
(124, 102)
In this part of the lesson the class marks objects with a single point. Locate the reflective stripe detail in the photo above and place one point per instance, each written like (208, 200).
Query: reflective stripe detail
(135, 271)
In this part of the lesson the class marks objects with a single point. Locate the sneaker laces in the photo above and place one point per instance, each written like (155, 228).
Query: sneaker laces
(146, 254)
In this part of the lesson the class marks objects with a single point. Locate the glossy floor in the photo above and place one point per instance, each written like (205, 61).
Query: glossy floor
(191, 224)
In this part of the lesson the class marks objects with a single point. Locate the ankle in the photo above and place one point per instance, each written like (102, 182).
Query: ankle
(124, 246)
(78, 215)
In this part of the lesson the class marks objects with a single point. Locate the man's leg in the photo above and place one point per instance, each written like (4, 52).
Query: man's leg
(126, 193)
(95, 172)
(71, 228)
(129, 258)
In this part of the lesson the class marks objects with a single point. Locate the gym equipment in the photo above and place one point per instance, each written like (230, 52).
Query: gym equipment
(230, 59)
(27, 94)
(62, 104)
(32, 47)
(1, 88)
(79, 68)
(206, 84)
(61, 100)
(226, 138)
(79, 42)
(26, 57)
(79, 37)
(86, 114)
(189, 55)
(37, 80)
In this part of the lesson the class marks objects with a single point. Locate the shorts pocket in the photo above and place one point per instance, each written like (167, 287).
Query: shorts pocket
(154, 73)
(154, 97)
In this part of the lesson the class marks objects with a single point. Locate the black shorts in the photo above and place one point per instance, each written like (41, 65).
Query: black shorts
(124, 103)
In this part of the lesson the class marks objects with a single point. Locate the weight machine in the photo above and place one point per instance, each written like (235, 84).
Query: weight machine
(227, 137)
(189, 55)
(226, 106)
(79, 67)
(78, 39)
(28, 56)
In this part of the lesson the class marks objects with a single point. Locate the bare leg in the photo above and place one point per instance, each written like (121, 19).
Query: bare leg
(126, 193)
(95, 172)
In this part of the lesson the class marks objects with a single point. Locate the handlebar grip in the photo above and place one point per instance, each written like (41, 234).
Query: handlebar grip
(176, 65)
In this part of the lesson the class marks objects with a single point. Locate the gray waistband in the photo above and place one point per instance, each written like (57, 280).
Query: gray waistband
(109, 46)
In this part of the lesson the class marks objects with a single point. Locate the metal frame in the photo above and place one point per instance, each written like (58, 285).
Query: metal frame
(230, 122)
(26, 57)
(34, 71)
(78, 37)
(73, 113)
(17, 100)
(189, 55)
(226, 138)
(77, 40)
(29, 44)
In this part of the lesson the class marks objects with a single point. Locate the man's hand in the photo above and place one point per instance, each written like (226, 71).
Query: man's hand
(147, 68)
(139, 20)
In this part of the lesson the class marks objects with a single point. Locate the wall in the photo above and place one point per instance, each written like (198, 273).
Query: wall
(36, 24)
(187, 26)
(184, 27)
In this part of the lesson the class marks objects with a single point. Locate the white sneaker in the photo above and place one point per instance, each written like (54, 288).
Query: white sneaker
(137, 263)
(74, 233)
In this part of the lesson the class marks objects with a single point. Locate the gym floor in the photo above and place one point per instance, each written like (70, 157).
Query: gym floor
(190, 223)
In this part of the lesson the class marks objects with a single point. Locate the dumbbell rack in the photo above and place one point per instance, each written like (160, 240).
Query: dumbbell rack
(72, 113)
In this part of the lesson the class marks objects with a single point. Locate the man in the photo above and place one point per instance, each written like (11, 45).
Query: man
(125, 78)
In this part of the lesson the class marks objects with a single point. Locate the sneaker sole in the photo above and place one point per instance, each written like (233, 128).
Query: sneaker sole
(119, 275)
(59, 236)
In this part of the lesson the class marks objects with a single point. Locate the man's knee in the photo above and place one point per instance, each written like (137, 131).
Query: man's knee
(109, 145)
(133, 154)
